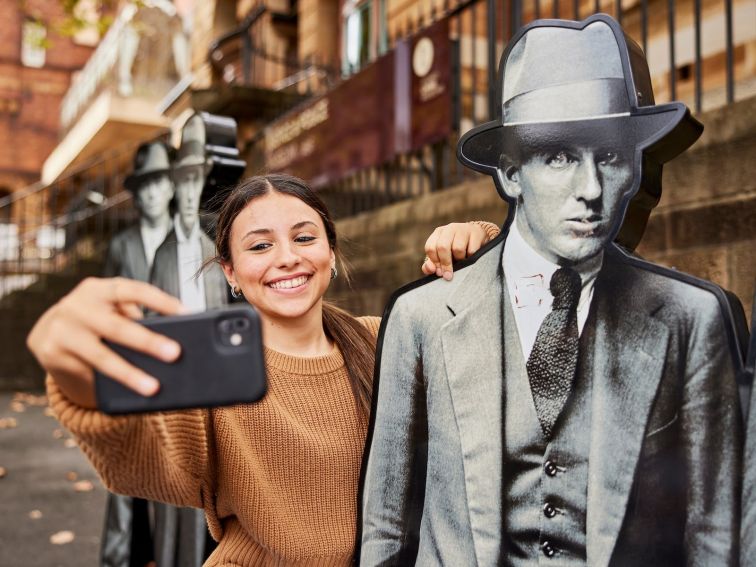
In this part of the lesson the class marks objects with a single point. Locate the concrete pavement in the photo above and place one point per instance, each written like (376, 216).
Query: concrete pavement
(45, 492)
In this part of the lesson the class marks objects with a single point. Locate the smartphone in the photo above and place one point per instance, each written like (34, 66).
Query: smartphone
(221, 364)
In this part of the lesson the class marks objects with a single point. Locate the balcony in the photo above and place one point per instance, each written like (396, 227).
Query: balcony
(256, 73)
(114, 100)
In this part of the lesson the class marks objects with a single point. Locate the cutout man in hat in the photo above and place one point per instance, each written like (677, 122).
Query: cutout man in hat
(569, 403)
(181, 534)
(126, 538)
(180, 258)
(132, 251)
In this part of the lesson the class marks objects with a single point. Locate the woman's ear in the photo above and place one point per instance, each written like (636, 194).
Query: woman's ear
(228, 271)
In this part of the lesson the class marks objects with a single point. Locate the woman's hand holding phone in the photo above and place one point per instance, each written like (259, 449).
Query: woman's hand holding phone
(67, 339)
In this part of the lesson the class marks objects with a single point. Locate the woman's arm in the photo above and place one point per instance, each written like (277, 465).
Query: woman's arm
(161, 456)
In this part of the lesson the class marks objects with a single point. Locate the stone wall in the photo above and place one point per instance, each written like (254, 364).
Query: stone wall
(705, 224)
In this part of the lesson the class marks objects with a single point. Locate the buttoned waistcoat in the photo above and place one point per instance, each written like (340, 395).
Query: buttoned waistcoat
(665, 436)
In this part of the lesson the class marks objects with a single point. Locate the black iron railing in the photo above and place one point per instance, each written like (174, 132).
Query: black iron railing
(242, 57)
(52, 227)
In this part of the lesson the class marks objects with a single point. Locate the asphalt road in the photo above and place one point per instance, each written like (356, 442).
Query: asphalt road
(49, 491)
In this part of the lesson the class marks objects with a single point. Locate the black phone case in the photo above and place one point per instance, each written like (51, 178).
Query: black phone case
(210, 372)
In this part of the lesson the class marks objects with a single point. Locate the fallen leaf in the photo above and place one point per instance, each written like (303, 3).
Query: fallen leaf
(72, 476)
(57, 433)
(69, 443)
(30, 399)
(8, 422)
(3, 472)
(63, 537)
(35, 514)
(83, 486)
(18, 407)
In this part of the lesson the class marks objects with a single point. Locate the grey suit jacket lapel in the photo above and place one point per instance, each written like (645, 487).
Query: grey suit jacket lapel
(169, 265)
(472, 352)
(215, 282)
(630, 350)
(135, 255)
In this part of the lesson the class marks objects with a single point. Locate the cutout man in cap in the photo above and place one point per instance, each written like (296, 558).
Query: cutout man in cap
(569, 404)
(126, 539)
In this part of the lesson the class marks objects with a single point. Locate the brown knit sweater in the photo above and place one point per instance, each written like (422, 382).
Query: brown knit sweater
(277, 479)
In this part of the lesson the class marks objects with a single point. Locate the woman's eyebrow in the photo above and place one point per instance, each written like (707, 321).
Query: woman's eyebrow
(301, 224)
(256, 231)
(297, 226)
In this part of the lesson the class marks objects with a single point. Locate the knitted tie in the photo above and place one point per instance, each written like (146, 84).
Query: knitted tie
(553, 360)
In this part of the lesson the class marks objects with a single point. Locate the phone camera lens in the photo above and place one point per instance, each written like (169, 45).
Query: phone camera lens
(241, 324)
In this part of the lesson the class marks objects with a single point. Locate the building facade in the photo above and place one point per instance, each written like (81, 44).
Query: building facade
(366, 99)
(37, 64)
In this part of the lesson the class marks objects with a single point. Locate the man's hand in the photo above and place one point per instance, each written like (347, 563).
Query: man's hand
(67, 339)
(451, 242)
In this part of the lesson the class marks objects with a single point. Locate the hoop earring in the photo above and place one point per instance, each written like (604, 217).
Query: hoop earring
(334, 273)
(236, 292)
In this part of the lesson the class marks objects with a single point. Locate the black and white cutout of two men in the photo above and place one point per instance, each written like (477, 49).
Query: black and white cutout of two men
(168, 252)
(560, 401)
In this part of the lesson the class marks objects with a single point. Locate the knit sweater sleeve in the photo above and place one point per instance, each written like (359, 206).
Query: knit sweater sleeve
(491, 230)
(158, 456)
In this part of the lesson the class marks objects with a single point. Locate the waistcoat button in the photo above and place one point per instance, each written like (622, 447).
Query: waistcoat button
(550, 468)
(548, 549)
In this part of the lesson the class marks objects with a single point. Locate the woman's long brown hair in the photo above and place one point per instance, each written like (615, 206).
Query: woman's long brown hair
(354, 340)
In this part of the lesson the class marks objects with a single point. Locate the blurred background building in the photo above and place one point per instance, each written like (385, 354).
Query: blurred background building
(366, 99)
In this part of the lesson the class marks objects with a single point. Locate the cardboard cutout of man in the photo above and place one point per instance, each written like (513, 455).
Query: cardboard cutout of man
(180, 258)
(748, 528)
(568, 403)
(181, 534)
(131, 252)
(126, 538)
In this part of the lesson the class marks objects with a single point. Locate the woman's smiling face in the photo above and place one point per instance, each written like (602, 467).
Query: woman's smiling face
(280, 256)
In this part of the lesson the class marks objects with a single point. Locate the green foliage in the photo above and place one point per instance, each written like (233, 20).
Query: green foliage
(79, 16)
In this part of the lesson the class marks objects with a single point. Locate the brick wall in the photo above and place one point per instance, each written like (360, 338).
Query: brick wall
(705, 224)
(30, 97)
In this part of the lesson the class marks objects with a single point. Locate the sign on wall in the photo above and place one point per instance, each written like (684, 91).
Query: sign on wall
(397, 104)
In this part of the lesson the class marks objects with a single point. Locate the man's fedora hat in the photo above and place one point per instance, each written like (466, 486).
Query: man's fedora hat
(572, 81)
(191, 152)
(151, 159)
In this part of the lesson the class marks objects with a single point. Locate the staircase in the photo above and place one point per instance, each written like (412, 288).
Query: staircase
(19, 311)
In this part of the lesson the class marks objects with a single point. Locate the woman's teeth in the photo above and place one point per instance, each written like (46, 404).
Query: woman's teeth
(288, 284)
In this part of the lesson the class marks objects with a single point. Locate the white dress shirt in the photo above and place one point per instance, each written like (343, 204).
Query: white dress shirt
(191, 282)
(152, 238)
(528, 275)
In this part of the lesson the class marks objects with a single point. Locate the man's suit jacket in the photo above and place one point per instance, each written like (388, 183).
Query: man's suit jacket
(165, 271)
(126, 256)
(665, 439)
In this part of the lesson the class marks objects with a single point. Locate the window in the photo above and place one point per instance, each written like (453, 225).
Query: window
(358, 35)
(33, 43)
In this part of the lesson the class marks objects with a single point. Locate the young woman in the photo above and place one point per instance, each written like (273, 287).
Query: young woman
(277, 479)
